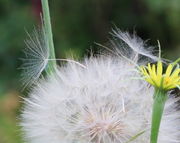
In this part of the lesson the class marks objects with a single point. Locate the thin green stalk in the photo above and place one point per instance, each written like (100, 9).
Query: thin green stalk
(160, 97)
(48, 31)
(136, 136)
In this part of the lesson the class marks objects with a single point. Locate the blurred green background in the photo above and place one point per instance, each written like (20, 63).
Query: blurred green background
(77, 24)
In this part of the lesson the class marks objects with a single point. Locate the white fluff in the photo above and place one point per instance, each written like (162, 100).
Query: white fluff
(101, 103)
(36, 55)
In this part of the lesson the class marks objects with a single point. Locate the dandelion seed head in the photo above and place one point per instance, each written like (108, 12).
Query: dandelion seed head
(85, 105)
(101, 103)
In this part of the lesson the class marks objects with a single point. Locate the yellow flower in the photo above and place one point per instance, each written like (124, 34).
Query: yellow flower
(167, 80)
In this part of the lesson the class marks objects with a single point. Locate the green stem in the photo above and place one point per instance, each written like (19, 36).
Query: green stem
(160, 97)
(48, 31)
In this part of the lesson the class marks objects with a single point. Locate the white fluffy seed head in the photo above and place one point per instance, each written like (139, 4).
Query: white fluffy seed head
(101, 103)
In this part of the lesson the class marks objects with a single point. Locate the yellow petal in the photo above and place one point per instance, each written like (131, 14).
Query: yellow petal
(145, 72)
(150, 81)
(154, 76)
(170, 87)
(175, 73)
(149, 68)
(169, 70)
(159, 68)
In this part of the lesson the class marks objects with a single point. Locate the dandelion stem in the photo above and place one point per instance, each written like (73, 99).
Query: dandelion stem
(176, 62)
(160, 97)
(48, 31)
